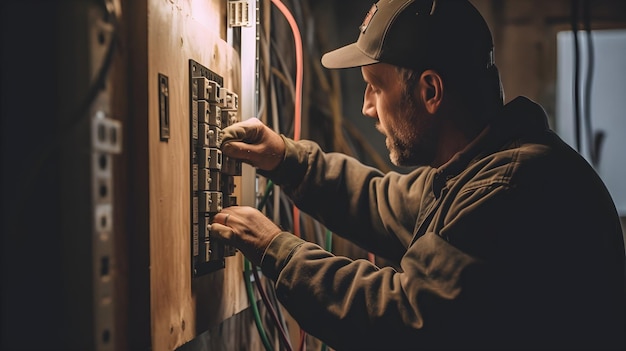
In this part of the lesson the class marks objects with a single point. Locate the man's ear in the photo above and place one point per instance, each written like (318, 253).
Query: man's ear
(430, 90)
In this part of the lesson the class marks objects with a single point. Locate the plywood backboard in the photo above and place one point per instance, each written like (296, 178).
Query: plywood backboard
(181, 307)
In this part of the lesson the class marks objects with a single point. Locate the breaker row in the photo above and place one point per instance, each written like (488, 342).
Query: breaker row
(213, 174)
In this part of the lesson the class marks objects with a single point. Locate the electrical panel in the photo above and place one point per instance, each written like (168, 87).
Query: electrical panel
(213, 107)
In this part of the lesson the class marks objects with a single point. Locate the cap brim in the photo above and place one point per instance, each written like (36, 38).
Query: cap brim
(347, 57)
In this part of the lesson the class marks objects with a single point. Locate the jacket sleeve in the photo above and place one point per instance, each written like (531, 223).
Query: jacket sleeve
(352, 304)
(374, 210)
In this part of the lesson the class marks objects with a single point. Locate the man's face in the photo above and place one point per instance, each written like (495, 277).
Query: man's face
(411, 133)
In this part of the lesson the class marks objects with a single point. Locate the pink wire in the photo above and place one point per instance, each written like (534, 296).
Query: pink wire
(299, 65)
(297, 37)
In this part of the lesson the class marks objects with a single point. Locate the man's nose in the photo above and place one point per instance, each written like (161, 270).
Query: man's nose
(369, 108)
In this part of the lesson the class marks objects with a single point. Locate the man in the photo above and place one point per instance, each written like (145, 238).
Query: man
(504, 237)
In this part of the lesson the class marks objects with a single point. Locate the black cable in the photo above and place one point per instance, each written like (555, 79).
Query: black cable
(592, 143)
(577, 118)
(274, 299)
(284, 338)
(276, 318)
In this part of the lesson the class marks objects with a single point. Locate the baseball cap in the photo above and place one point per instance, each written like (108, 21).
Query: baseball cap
(419, 34)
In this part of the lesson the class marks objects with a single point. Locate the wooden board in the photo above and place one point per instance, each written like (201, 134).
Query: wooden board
(181, 307)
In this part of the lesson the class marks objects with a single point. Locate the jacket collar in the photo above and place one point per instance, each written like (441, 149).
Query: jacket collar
(517, 118)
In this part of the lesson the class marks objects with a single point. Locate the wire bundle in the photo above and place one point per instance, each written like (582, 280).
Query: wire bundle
(289, 104)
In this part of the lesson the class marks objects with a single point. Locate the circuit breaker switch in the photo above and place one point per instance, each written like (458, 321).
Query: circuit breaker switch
(228, 184)
(231, 166)
(209, 113)
(231, 101)
(211, 201)
(211, 136)
(209, 90)
(229, 118)
(207, 251)
(210, 180)
(207, 227)
(210, 158)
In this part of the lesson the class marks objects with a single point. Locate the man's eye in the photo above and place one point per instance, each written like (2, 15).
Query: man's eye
(372, 89)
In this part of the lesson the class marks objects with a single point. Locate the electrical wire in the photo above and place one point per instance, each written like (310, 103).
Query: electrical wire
(336, 108)
(582, 122)
(352, 133)
(282, 333)
(298, 94)
(250, 269)
(284, 79)
(317, 230)
(275, 302)
(328, 244)
(593, 140)
(253, 305)
(302, 344)
(299, 65)
(275, 123)
(276, 205)
(284, 67)
(298, 110)
(270, 95)
(577, 117)
(268, 190)
(286, 202)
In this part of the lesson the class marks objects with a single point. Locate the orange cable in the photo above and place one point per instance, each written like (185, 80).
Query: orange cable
(302, 340)
(371, 257)
(299, 65)
(298, 98)
(297, 37)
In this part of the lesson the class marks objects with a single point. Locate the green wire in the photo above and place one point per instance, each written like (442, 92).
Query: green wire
(329, 240)
(247, 271)
(255, 308)
(268, 189)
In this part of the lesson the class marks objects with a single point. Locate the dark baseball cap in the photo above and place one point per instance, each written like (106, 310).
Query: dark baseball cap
(419, 34)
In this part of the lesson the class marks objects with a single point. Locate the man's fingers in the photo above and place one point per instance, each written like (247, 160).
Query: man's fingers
(221, 231)
(221, 218)
(237, 149)
(247, 131)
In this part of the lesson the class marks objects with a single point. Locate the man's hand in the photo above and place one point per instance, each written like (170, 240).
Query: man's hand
(253, 142)
(245, 228)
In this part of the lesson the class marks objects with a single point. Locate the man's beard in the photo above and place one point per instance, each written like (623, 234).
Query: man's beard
(399, 153)
(412, 138)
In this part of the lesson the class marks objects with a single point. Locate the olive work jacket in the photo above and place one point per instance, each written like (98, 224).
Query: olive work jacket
(515, 243)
